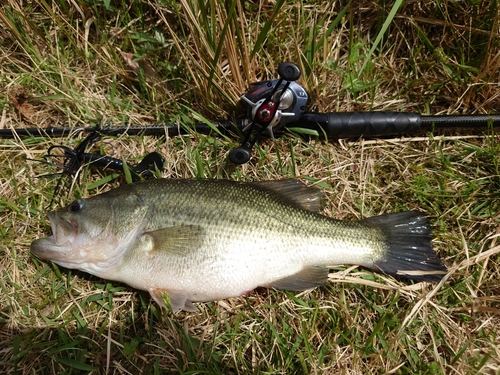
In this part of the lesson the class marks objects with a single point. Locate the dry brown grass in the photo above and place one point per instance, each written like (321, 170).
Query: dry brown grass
(438, 57)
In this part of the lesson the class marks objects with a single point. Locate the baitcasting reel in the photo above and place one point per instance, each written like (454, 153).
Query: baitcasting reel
(270, 106)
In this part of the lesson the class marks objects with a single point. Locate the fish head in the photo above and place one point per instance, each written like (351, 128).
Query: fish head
(92, 234)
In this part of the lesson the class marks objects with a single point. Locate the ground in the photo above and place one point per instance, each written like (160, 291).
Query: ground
(138, 63)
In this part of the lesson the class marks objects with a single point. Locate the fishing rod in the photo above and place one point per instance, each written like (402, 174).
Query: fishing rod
(276, 105)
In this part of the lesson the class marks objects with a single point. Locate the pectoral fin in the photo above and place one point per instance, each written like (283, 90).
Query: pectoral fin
(180, 240)
(307, 278)
(174, 300)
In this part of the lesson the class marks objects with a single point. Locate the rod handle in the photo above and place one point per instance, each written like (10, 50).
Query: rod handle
(361, 124)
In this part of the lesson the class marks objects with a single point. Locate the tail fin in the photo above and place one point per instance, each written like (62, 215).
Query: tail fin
(409, 251)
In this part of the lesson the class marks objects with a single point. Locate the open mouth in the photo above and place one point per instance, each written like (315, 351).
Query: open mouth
(62, 231)
(58, 244)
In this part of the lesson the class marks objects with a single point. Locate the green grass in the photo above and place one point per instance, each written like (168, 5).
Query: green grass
(196, 58)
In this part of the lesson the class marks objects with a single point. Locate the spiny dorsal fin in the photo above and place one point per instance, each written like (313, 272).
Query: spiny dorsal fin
(306, 197)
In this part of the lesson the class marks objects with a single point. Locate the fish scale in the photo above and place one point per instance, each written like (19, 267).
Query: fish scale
(196, 240)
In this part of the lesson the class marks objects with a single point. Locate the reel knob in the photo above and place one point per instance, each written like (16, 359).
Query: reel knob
(240, 155)
(288, 71)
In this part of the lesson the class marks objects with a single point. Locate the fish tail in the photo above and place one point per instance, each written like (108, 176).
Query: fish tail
(408, 253)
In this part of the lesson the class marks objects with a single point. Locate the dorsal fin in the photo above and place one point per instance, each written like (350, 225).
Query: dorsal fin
(306, 197)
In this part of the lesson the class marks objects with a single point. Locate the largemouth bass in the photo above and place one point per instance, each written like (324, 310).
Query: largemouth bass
(189, 241)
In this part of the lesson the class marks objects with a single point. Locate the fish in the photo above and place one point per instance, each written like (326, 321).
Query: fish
(199, 240)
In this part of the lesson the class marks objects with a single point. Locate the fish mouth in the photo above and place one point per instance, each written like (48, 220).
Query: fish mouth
(56, 246)
(45, 248)
(64, 231)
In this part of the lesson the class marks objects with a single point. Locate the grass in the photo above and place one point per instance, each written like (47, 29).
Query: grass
(195, 59)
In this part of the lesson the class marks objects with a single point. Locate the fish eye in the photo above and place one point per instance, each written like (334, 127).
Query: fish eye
(76, 205)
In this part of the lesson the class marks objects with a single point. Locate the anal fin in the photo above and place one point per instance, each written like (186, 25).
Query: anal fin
(307, 278)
